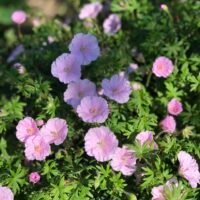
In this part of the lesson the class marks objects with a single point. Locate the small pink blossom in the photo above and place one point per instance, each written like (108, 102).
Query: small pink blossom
(174, 107)
(164, 7)
(90, 10)
(146, 137)
(25, 128)
(162, 67)
(158, 193)
(40, 122)
(93, 109)
(51, 39)
(112, 24)
(19, 17)
(168, 124)
(34, 177)
(136, 86)
(36, 148)
(36, 22)
(100, 143)
(54, 131)
(189, 168)
(124, 160)
(6, 193)
(66, 68)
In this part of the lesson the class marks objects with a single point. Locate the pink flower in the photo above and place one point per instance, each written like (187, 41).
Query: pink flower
(40, 122)
(85, 47)
(189, 168)
(90, 10)
(100, 143)
(164, 7)
(93, 109)
(174, 107)
(36, 148)
(18, 17)
(158, 193)
(25, 128)
(34, 177)
(6, 193)
(162, 67)
(124, 160)
(66, 68)
(146, 137)
(117, 88)
(77, 90)
(112, 24)
(136, 86)
(54, 131)
(168, 124)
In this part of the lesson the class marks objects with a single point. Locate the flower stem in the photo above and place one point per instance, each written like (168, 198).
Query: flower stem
(148, 78)
(19, 32)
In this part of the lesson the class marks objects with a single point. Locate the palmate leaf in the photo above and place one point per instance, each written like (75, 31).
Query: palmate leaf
(50, 169)
(157, 175)
(14, 108)
(195, 83)
(16, 179)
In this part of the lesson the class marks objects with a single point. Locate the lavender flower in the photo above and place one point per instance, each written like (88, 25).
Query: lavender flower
(66, 68)
(85, 47)
(112, 24)
(93, 109)
(77, 90)
(90, 10)
(117, 88)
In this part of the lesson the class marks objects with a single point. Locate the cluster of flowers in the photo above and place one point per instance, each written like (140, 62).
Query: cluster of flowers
(102, 144)
(38, 136)
(111, 24)
(168, 124)
(81, 94)
(163, 67)
(188, 169)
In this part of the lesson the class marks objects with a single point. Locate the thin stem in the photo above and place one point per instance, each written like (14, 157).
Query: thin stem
(159, 134)
(19, 32)
(148, 78)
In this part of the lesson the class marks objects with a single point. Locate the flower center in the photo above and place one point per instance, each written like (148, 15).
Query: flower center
(83, 49)
(55, 134)
(67, 69)
(124, 159)
(80, 94)
(93, 111)
(115, 90)
(101, 143)
(38, 148)
(30, 131)
(175, 109)
(160, 67)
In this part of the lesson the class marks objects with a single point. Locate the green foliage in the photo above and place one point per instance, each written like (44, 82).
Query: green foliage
(147, 32)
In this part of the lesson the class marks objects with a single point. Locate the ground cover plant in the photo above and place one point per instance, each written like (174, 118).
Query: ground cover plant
(100, 100)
